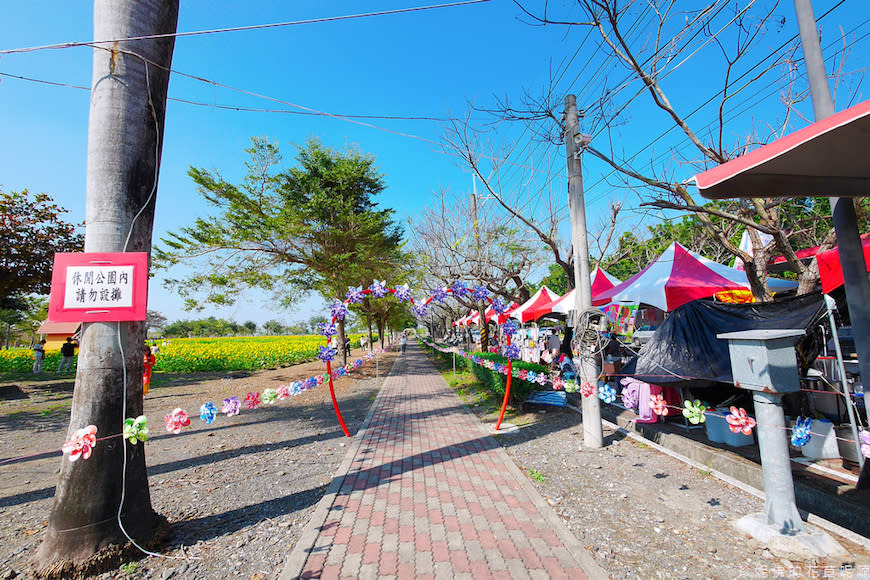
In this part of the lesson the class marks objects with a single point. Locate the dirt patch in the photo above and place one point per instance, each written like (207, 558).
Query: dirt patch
(237, 493)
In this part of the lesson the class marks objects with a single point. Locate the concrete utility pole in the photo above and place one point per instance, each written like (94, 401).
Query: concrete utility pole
(843, 211)
(586, 367)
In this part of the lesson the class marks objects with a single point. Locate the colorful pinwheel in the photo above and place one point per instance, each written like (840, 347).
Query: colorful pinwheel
(208, 413)
(177, 419)
(252, 400)
(270, 396)
(802, 431)
(658, 405)
(378, 288)
(403, 293)
(135, 430)
(354, 294)
(864, 436)
(81, 443)
(694, 411)
(338, 310)
(607, 393)
(459, 290)
(231, 406)
(739, 422)
(283, 392)
(587, 389)
(439, 294)
(328, 330)
(326, 353)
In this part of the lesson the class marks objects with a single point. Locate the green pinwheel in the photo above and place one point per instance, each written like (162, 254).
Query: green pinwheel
(694, 411)
(270, 396)
(136, 430)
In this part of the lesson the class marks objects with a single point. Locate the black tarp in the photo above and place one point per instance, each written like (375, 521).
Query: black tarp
(684, 351)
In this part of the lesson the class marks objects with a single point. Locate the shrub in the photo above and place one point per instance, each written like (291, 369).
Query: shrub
(497, 382)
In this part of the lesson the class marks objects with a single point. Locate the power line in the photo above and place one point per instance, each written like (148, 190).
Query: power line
(240, 108)
(245, 28)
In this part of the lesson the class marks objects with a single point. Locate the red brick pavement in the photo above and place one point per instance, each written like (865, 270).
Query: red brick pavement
(425, 493)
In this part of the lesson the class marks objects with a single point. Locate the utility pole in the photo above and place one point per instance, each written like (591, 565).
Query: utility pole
(843, 213)
(587, 368)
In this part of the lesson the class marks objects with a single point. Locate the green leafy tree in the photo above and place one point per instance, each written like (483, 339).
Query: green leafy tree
(276, 328)
(32, 232)
(154, 320)
(314, 226)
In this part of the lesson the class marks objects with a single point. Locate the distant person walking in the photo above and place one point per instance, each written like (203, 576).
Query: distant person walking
(403, 341)
(38, 356)
(67, 351)
(150, 359)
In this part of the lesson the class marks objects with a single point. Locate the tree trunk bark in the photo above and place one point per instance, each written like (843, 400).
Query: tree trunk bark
(125, 136)
(339, 339)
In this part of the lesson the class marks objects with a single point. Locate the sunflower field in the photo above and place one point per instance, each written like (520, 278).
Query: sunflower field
(187, 355)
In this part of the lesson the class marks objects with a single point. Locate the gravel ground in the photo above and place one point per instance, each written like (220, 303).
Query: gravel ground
(644, 514)
(239, 493)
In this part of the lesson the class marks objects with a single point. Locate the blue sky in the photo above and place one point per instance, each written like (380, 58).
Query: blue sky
(427, 63)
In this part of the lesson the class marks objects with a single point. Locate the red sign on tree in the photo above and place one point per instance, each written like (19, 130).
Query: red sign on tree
(99, 287)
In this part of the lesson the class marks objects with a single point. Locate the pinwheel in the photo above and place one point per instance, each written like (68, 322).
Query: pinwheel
(231, 406)
(252, 400)
(81, 443)
(403, 293)
(658, 405)
(739, 422)
(136, 430)
(326, 353)
(378, 288)
(607, 393)
(207, 413)
(177, 419)
(801, 432)
(354, 294)
(270, 396)
(694, 411)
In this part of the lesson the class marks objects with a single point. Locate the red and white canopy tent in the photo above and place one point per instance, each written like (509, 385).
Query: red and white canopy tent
(490, 314)
(679, 276)
(562, 305)
(543, 296)
(830, 269)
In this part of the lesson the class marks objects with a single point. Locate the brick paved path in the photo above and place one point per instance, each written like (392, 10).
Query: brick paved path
(425, 492)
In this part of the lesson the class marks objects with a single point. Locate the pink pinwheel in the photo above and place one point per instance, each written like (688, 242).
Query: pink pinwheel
(557, 383)
(176, 420)
(283, 392)
(523, 374)
(587, 389)
(865, 442)
(81, 443)
(738, 421)
(252, 400)
(658, 405)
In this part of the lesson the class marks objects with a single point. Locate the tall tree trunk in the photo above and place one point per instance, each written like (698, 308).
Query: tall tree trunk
(125, 134)
(339, 339)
